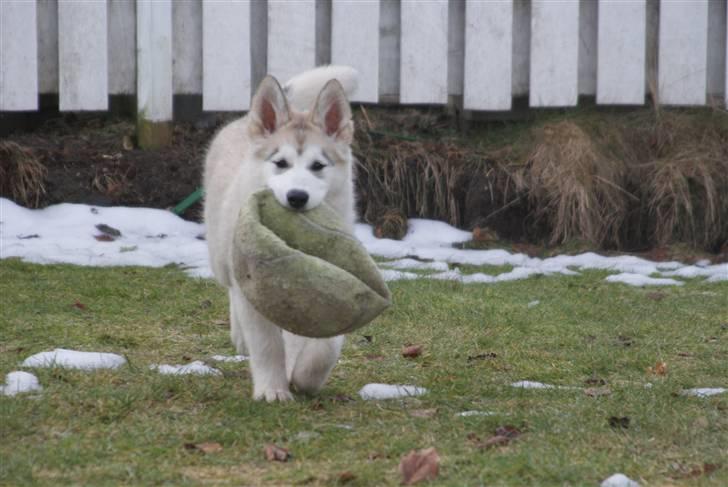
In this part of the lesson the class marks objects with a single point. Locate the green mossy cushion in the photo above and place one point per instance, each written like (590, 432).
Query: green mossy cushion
(303, 270)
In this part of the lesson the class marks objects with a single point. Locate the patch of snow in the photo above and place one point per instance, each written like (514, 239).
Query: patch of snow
(533, 303)
(704, 391)
(528, 384)
(389, 391)
(73, 359)
(158, 238)
(197, 368)
(619, 480)
(415, 264)
(230, 358)
(639, 280)
(466, 414)
(18, 382)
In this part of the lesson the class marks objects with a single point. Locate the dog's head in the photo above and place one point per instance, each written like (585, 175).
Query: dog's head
(306, 155)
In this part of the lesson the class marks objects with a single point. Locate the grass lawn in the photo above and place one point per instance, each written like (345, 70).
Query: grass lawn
(130, 426)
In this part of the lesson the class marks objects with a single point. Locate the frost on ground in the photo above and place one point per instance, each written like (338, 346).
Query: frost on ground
(390, 391)
(619, 480)
(18, 382)
(73, 359)
(195, 368)
(467, 414)
(68, 233)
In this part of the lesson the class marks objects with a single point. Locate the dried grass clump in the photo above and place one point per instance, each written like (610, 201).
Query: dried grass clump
(575, 186)
(420, 179)
(22, 175)
(392, 223)
(685, 186)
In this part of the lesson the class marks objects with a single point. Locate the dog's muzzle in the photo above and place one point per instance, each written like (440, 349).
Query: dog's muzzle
(297, 198)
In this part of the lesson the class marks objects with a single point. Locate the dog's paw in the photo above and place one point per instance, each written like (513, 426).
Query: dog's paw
(273, 395)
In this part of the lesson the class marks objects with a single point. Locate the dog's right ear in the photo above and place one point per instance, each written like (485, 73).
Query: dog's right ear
(269, 108)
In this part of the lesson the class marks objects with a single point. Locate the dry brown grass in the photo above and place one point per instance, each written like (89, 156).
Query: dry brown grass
(685, 184)
(22, 175)
(575, 186)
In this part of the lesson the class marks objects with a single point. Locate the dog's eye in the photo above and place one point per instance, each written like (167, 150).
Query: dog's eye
(281, 163)
(317, 166)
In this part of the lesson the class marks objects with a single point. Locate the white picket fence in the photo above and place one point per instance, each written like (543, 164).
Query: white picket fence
(408, 51)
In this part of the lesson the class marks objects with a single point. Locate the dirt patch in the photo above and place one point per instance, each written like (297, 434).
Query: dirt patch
(594, 178)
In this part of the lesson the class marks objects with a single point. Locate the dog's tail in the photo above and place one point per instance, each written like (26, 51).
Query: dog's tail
(303, 89)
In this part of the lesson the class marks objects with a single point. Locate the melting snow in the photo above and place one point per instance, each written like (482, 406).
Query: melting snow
(466, 414)
(73, 359)
(18, 382)
(704, 391)
(389, 391)
(619, 480)
(197, 368)
(229, 358)
(156, 238)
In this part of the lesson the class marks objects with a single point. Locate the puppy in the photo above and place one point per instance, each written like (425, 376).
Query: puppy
(297, 142)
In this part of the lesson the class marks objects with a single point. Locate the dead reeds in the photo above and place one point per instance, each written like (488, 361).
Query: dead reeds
(22, 175)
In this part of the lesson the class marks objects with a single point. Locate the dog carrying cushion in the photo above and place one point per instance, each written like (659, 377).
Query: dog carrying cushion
(303, 270)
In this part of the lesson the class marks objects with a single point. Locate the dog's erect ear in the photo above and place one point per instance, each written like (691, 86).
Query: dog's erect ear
(332, 112)
(269, 108)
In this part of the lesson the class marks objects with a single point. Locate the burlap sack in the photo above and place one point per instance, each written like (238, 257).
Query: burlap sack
(303, 271)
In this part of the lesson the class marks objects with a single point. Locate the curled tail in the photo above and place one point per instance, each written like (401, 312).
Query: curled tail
(303, 89)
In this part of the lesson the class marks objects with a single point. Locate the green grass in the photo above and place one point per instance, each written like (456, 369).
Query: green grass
(129, 426)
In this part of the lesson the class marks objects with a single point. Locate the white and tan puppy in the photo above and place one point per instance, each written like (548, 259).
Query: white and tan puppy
(295, 141)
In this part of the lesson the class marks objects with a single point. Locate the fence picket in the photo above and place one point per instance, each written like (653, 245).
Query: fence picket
(423, 61)
(122, 44)
(291, 37)
(187, 47)
(18, 51)
(554, 53)
(621, 52)
(226, 55)
(154, 72)
(355, 42)
(488, 55)
(682, 65)
(83, 55)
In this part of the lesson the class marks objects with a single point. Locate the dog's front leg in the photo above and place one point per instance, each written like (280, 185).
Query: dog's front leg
(267, 354)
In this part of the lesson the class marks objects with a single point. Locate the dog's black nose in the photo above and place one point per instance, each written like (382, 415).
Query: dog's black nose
(297, 198)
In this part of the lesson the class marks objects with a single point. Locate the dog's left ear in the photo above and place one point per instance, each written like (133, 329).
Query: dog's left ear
(332, 112)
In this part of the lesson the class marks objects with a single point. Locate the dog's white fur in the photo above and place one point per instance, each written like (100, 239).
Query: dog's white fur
(243, 158)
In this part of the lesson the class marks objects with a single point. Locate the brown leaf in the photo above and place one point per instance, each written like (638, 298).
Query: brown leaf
(412, 351)
(597, 391)
(493, 441)
(345, 477)
(660, 368)
(417, 466)
(108, 230)
(656, 296)
(79, 305)
(343, 398)
(104, 238)
(374, 356)
(205, 447)
(423, 413)
(508, 431)
(274, 453)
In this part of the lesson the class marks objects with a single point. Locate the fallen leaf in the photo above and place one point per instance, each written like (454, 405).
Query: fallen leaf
(79, 305)
(660, 368)
(656, 296)
(274, 453)
(417, 466)
(374, 356)
(501, 437)
(345, 477)
(619, 422)
(597, 391)
(508, 431)
(423, 413)
(104, 238)
(342, 398)
(684, 354)
(108, 230)
(482, 356)
(493, 441)
(595, 381)
(26, 237)
(376, 456)
(412, 351)
(205, 447)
